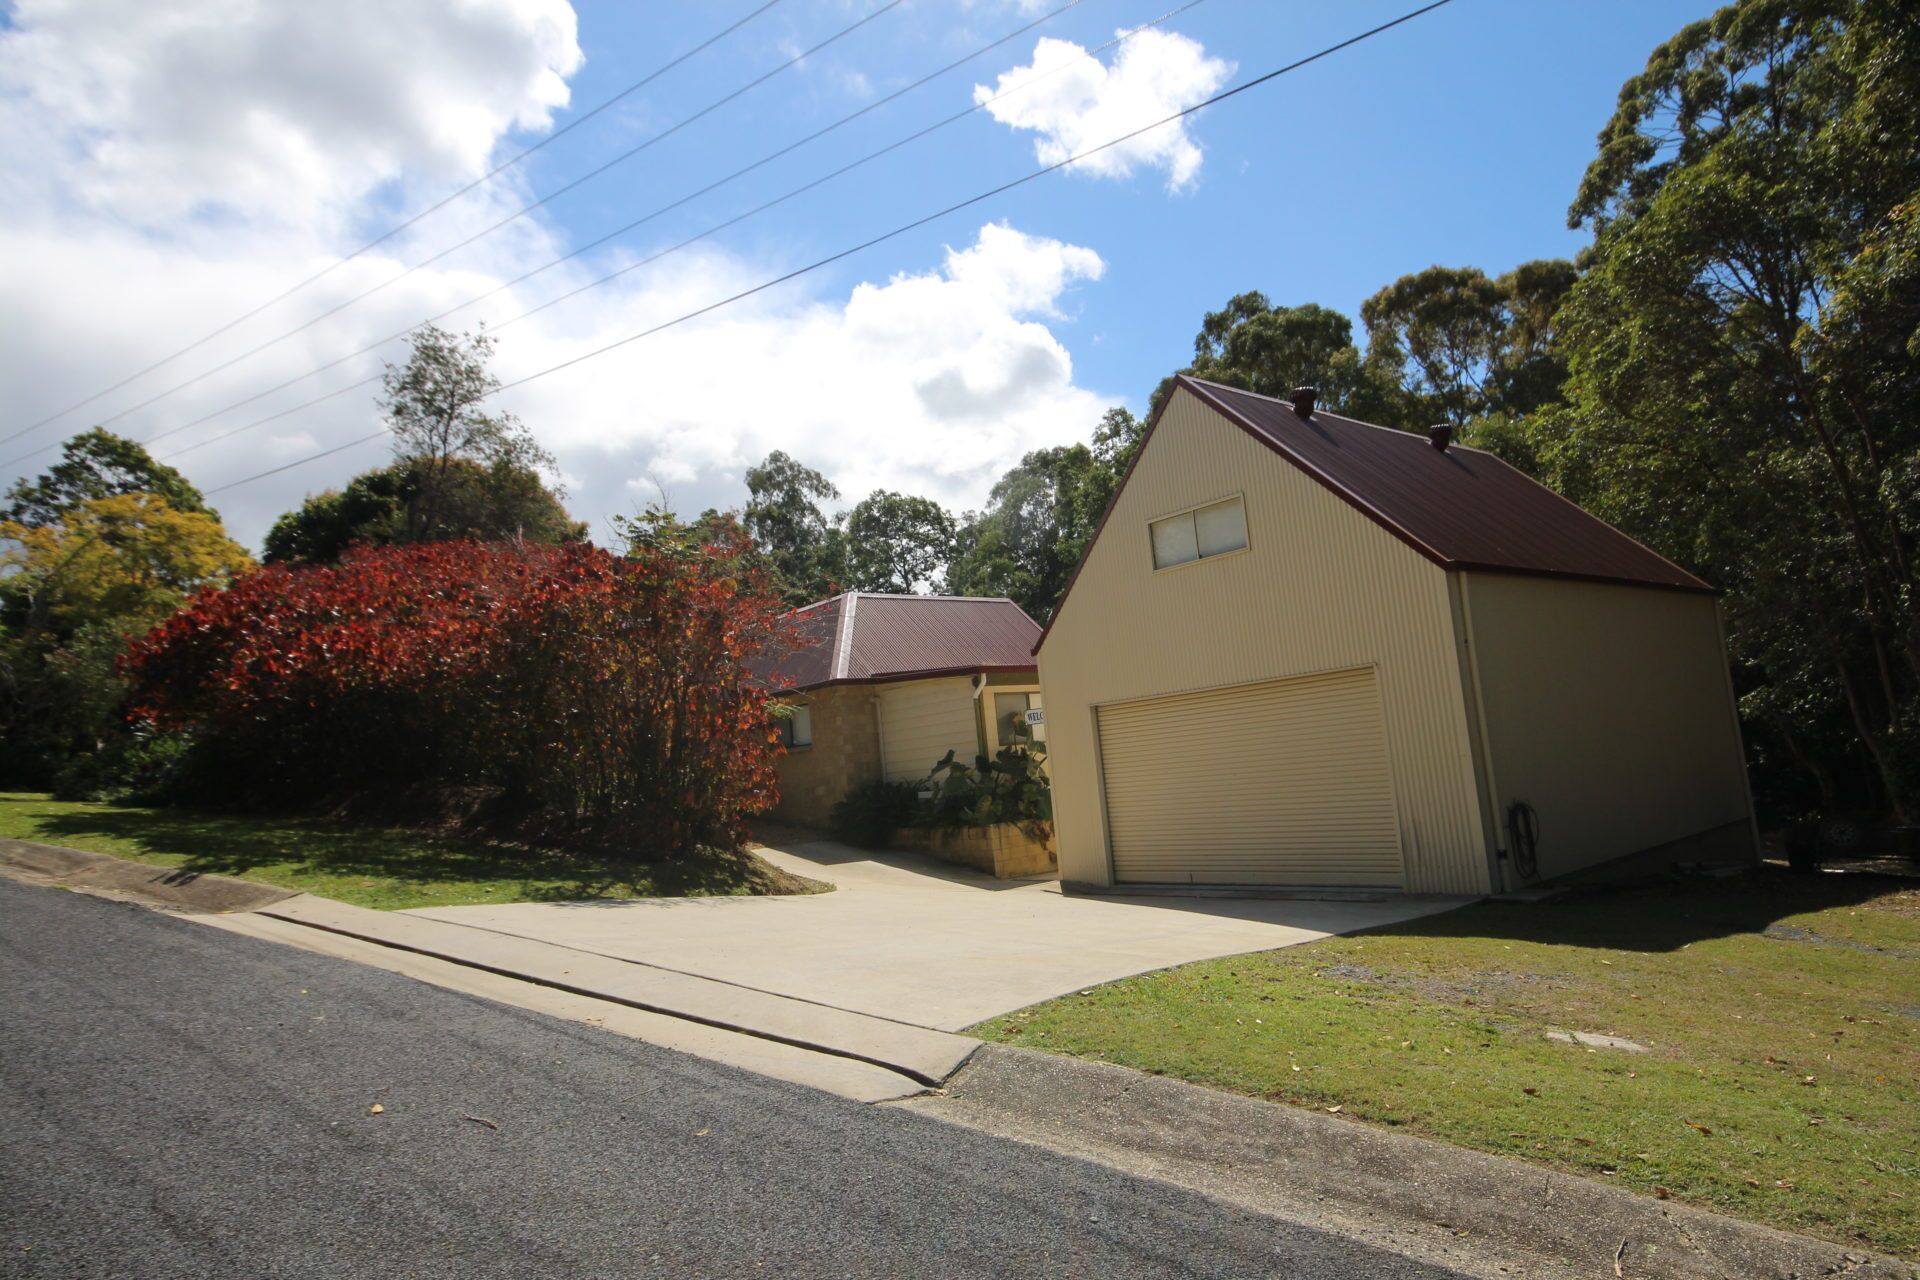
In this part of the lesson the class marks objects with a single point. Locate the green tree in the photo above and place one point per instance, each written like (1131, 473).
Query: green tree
(71, 591)
(432, 404)
(1741, 355)
(494, 502)
(1461, 346)
(1026, 542)
(1252, 344)
(1437, 332)
(897, 543)
(805, 549)
(97, 464)
(127, 560)
(713, 533)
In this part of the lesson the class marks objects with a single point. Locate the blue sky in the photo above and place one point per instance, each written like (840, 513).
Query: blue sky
(181, 166)
(1457, 139)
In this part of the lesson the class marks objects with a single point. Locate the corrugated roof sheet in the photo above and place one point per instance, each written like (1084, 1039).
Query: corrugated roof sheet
(866, 636)
(1463, 508)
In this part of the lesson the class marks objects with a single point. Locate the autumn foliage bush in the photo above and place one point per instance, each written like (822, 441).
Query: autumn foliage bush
(602, 695)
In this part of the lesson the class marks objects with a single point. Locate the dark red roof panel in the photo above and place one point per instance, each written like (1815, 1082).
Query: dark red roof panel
(861, 636)
(1463, 508)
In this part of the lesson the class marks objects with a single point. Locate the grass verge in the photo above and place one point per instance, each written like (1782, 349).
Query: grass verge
(1781, 1016)
(392, 868)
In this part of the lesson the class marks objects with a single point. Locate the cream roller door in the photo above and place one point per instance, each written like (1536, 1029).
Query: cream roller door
(1282, 782)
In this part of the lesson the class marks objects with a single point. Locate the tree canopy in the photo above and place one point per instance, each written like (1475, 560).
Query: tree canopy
(1742, 352)
(432, 404)
(126, 560)
(489, 502)
(805, 549)
(98, 464)
(897, 542)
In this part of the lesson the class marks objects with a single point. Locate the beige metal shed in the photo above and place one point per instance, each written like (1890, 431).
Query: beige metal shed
(1305, 650)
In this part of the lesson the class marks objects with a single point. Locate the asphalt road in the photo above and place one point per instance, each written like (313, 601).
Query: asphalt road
(179, 1101)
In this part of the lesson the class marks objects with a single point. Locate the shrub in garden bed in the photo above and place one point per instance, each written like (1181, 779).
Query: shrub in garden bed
(1011, 787)
(605, 697)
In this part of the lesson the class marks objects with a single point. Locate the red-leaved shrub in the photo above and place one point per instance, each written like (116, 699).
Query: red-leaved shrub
(608, 695)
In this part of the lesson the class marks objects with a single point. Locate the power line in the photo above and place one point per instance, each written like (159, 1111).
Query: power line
(486, 177)
(515, 216)
(901, 230)
(658, 254)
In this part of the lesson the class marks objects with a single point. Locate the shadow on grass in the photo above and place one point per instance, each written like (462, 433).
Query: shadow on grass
(1655, 917)
(233, 844)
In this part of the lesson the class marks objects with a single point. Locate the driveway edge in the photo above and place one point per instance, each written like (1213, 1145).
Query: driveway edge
(1458, 1206)
(121, 877)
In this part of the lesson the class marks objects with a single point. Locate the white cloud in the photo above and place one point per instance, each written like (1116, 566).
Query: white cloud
(933, 380)
(1079, 103)
(255, 107)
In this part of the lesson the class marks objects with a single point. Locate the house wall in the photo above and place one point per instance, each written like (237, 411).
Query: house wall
(921, 720)
(845, 753)
(1608, 709)
(1320, 588)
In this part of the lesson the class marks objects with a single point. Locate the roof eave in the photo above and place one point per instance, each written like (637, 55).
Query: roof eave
(897, 677)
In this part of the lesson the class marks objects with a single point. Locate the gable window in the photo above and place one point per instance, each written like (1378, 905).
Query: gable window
(796, 730)
(1194, 535)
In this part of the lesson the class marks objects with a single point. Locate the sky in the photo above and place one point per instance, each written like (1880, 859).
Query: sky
(172, 167)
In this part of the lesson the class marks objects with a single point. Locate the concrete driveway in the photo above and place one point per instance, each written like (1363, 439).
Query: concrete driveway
(918, 941)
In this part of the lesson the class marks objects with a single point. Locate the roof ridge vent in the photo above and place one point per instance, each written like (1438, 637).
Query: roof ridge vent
(1301, 398)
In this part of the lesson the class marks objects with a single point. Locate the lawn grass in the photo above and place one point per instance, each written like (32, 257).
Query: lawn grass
(391, 868)
(1782, 1016)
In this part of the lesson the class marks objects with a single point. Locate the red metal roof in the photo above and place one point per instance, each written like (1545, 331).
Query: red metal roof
(1462, 508)
(868, 637)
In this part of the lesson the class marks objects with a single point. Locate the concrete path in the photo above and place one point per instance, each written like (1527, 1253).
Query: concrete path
(917, 941)
(919, 1053)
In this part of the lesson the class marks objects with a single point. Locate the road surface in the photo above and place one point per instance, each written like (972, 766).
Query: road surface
(180, 1101)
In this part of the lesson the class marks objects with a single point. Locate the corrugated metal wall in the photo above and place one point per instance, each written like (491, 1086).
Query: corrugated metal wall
(1320, 588)
(1608, 710)
(921, 720)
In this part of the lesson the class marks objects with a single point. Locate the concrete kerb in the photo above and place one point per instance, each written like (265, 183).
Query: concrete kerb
(918, 1053)
(1395, 1189)
(166, 886)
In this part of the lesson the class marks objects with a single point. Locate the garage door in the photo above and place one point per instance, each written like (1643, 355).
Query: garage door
(1283, 782)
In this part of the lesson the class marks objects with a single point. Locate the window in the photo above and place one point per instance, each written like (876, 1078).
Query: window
(1010, 709)
(796, 730)
(1194, 535)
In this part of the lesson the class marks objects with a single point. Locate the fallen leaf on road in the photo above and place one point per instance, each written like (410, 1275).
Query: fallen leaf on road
(481, 1120)
(701, 1133)
(375, 1109)
(1661, 1193)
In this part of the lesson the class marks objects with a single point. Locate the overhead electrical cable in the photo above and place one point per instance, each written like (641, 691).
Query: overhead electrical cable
(882, 238)
(636, 265)
(442, 203)
(510, 218)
